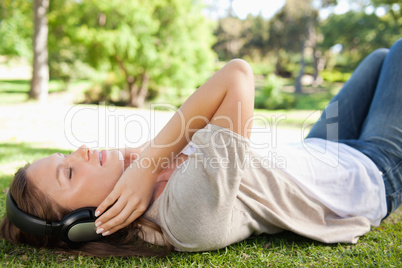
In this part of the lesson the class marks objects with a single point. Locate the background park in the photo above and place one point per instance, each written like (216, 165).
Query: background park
(70, 70)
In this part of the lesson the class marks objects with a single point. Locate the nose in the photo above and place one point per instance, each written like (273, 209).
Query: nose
(82, 152)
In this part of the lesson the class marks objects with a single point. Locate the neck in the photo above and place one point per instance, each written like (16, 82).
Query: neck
(164, 176)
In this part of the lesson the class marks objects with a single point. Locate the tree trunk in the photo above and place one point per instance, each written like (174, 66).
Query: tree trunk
(319, 64)
(316, 58)
(298, 84)
(40, 73)
(138, 94)
(278, 65)
(133, 88)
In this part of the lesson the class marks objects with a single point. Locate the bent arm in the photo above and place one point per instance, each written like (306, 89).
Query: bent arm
(226, 100)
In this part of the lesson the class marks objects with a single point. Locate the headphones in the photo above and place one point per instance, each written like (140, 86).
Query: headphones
(76, 227)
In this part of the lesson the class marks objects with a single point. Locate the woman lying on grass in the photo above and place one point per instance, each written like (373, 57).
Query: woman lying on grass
(217, 190)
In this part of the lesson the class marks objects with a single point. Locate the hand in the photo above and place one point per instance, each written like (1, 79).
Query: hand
(128, 200)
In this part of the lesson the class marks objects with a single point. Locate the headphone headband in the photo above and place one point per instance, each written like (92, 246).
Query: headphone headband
(77, 226)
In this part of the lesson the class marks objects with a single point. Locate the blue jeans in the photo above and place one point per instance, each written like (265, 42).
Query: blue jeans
(366, 115)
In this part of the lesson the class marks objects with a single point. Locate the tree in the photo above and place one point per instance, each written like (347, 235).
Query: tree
(289, 30)
(393, 7)
(255, 34)
(229, 38)
(16, 26)
(66, 54)
(142, 43)
(238, 38)
(40, 74)
(359, 34)
(294, 28)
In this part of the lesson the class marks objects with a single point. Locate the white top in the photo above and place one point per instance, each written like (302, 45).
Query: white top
(341, 177)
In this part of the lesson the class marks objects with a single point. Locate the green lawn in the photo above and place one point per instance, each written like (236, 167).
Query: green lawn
(16, 91)
(380, 247)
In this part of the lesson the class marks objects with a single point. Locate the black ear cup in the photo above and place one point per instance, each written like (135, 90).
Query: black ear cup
(76, 227)
(79, 226)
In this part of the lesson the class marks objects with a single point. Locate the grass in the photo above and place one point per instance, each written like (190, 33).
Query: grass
(380, 247)
(317, 98)
(16, 91)
(284, 250)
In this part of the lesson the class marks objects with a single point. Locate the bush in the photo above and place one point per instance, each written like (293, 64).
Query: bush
(270, 96)
(335, 76)
(108, 90)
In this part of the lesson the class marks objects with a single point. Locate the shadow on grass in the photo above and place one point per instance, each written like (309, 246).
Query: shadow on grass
(17, 81)
(14, 92)
(16, 155)
(11, 151)
(23, 86)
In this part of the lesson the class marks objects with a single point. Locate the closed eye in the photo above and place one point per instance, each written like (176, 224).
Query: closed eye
(71, 173)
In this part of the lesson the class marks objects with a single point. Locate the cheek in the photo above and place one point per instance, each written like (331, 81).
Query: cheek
(97, 183)
(106, 182)
(115, 168)
(92, 187)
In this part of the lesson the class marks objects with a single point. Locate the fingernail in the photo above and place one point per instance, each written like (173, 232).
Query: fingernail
(98, 224)
(106, 233)
(99, 230)
(97, 213)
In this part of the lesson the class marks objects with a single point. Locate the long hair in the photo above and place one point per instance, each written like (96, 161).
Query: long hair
(125, 242)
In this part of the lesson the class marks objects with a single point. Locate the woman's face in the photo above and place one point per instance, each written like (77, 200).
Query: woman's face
(81, 179)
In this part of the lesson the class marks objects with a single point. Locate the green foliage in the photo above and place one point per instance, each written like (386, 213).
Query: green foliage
(248, 39)
(270, 96)
(393, 7)
(289, 26)
(359, 34)
(16, 26)
(256, 36)
(66, 55)
(313, 101)
(158, 43)
(229, 38)
(262, 68)
(335, 76)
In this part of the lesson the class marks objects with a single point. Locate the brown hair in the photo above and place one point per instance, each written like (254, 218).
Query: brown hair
(31, 200)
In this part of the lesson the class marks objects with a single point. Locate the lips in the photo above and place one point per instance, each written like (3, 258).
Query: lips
(103, 157)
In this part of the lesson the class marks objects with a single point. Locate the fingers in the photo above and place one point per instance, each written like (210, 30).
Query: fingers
(128, 200)
(109, 200)
(120, 215)
(118, 223)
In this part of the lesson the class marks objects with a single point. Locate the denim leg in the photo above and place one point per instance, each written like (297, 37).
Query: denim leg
(381, 135)
(344, 116)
